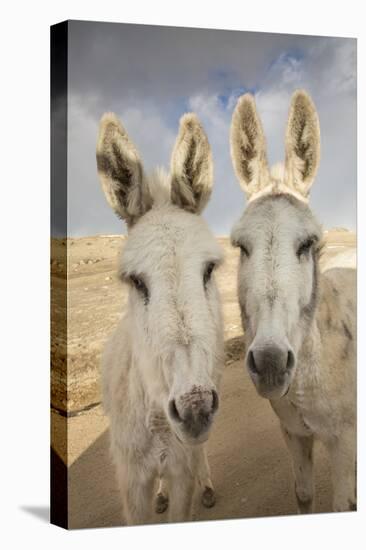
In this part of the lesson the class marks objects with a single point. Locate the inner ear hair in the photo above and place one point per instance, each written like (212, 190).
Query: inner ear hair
(120, 171)
(248, 146)
(302, 143)
(191, 166)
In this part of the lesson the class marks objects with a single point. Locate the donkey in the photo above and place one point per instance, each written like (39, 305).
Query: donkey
(161, 369)
(299, 322)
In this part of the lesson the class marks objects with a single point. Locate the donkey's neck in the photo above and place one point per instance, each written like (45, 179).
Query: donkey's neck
(308, 372)
(311, 371)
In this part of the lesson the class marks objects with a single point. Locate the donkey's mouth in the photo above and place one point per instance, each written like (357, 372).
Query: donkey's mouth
(191, 414)
(270, 391)
(185, 439)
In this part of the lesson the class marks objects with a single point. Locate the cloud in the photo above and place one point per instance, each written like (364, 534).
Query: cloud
(150, 76)
(328, 71)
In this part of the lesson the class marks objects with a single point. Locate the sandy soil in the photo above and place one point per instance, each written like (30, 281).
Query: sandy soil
(250, 465)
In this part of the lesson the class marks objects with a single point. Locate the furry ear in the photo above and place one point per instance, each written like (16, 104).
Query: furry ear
(248, 147)
(191, 166)
(302, 143)
(120, 171)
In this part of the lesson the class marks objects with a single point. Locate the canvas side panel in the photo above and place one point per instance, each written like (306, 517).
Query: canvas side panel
(59, 59)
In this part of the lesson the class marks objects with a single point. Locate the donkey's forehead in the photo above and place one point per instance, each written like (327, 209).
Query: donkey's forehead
(166, 234)
(278, 215)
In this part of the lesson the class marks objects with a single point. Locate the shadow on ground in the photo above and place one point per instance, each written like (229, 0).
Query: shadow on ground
(250, 466)
(40, 512)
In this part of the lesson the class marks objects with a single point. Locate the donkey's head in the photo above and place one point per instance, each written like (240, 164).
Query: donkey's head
(279, 241)
(168, 262)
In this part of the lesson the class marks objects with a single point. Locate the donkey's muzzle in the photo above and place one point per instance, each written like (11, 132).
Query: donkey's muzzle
(193, 412)
(271, 369)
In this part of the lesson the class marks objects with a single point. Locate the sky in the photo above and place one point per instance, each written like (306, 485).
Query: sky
(150, 75)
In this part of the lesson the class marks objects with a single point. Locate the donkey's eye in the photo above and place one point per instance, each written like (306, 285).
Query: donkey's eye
(140, 286)
(244, 251)
(304, 248)
(208, 272)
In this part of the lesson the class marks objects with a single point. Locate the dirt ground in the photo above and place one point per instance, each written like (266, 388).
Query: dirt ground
(250, 466)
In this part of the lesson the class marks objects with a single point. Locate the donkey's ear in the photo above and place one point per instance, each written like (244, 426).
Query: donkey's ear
(302, 143)
(248, 146)
(191, 166)
(120, 171)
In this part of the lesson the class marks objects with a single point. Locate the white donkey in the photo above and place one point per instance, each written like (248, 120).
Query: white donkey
(299, 324)
(161, 369)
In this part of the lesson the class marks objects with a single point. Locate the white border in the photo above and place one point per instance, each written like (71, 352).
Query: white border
(25, 281)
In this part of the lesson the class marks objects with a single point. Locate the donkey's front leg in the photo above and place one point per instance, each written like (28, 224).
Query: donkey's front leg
(136, 487)
(301, 450)
(162, 496)
(342, 451)
(208, 497)
(182, 487)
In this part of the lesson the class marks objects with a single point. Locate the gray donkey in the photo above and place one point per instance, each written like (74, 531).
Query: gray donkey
(299, 322)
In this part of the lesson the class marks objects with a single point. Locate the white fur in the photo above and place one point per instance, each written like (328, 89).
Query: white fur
(168, 347)
(277, 186)
(307, 317)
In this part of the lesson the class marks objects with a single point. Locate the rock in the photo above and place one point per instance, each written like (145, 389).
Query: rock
(234, 349)
(341, 229)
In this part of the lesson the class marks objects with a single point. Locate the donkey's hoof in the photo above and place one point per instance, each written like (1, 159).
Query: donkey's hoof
(208, 497)
(161, 503)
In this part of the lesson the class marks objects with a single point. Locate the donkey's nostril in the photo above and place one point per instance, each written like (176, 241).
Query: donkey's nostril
(251, 363)
(215, 401)
(270, 358)
(173, 411)
(290, 360)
